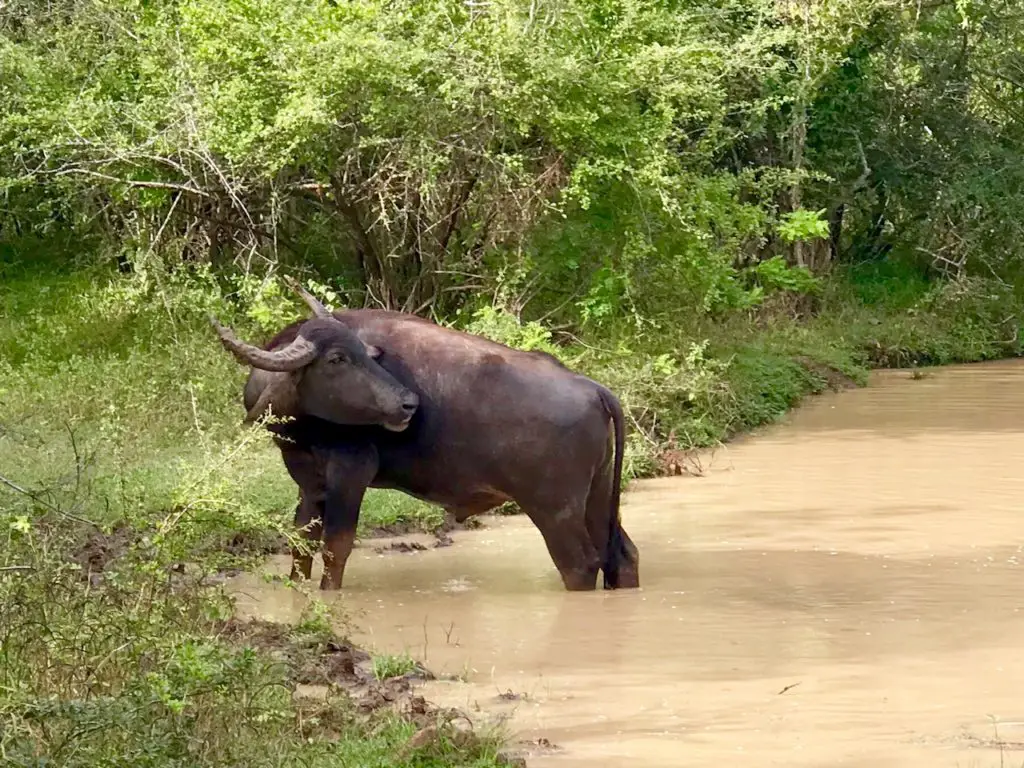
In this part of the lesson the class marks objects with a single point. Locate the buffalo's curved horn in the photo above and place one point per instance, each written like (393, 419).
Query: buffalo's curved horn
(311, 301)
(290, 358)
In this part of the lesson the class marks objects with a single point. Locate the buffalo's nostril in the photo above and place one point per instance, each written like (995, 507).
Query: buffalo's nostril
(410, 403)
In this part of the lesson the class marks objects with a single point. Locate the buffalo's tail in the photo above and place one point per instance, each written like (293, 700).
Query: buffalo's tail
(615, 548)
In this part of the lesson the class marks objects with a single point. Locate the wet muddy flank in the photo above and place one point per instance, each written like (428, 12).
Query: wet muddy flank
(846, 588)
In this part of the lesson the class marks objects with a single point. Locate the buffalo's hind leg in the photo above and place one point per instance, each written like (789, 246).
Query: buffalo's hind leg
(621, 562)
(568, 542)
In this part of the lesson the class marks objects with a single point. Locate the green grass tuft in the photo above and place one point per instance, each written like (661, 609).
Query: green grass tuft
(386, 666)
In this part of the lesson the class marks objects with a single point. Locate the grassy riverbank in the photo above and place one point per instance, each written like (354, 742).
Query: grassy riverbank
(115, 382)
(118, 408)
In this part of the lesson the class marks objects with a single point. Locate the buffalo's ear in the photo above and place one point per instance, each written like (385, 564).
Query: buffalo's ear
(373, 351)
(279, 394)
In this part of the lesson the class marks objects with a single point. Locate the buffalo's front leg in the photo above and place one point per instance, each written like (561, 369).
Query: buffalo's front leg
(309, 519)
(307, 471)
(348, 472)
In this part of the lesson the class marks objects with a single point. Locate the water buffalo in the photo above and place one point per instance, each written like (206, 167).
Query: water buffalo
(389, 400)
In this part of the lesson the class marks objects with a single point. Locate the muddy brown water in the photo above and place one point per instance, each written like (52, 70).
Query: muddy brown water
(844, 588)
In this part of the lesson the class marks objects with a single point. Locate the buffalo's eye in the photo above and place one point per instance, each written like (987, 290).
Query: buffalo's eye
(336, 358)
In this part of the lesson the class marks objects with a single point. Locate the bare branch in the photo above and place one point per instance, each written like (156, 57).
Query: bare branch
(133, 183)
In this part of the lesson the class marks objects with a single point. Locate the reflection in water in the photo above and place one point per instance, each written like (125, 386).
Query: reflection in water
(844, 588)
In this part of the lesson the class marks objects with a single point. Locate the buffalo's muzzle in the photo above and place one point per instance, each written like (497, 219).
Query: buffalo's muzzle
(409, 404)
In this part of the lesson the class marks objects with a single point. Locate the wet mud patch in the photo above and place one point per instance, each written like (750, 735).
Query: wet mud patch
(401, 547)
(510, 695)
(243, 544)
(411, 543)
(318, 665)
(520, 752)
(322, 668)
(409, 527)
(310, 661)
(98, 549)
(391, 530)
(333, 663)
(237, 553)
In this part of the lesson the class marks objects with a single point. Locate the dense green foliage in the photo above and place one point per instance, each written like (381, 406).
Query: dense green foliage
(579, 161)
(715, 207)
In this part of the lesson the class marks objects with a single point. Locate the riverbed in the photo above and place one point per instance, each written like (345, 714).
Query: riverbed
(842, 588)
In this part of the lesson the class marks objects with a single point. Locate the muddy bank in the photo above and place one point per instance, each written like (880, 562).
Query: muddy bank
(324, 665)
(316, 660)
(411, 527)
(97, 549)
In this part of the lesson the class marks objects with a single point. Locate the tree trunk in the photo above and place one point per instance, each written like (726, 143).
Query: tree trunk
(835, 230)
(799, 134)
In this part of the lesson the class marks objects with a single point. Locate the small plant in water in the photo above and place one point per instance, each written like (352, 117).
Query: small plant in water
(386, 666)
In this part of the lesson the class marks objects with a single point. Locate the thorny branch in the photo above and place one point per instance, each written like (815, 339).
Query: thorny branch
(40, 500)
(405, 219)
